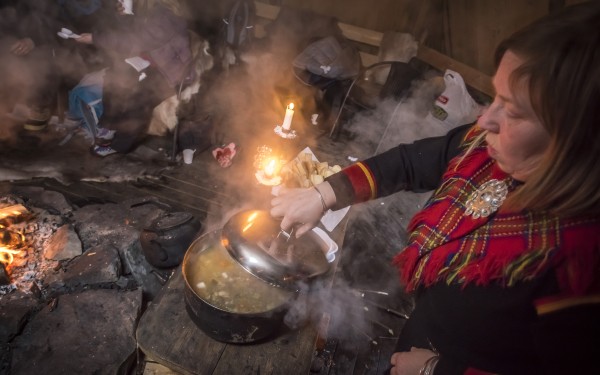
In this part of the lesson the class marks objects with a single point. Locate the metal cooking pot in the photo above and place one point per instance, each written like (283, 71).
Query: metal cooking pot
(167, 238)
(240, 280)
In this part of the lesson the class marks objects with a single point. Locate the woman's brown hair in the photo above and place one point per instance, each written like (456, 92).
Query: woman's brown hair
(561, 55)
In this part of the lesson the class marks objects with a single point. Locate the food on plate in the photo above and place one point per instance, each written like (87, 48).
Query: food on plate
(305, 171)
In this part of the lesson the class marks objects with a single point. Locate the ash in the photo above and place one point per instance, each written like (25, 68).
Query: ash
(29, 266)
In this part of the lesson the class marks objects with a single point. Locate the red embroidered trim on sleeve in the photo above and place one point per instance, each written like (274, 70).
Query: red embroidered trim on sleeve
(362, 180)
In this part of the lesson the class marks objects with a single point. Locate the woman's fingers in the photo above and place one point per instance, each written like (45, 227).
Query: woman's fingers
(304, 228)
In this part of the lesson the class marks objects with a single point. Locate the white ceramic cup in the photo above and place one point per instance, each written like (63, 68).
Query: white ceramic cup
(188, 155)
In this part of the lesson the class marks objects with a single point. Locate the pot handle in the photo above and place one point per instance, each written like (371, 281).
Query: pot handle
(159, 250)
(151, 200)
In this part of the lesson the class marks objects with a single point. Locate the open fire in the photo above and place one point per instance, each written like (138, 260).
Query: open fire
(11, 239)
(24, 230)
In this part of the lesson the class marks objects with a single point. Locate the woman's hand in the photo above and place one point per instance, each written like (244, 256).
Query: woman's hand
(301, 207)
(85, 38)
(410, 363)
(22, 47)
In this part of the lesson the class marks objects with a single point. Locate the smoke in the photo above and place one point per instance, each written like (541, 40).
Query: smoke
(250, 101)
(254, 100)
(344, 313)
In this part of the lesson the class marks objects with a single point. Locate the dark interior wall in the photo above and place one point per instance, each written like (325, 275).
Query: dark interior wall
(475, 27)
(466, 30)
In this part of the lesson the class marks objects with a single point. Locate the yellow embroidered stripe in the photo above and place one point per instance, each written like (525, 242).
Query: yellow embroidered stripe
(550, 307)
(369, 178)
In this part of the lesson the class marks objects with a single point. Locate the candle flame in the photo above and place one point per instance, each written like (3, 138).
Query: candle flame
(271, 168)
(267, 167)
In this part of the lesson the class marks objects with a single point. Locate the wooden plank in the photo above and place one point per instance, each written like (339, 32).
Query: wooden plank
(167, 335)
(438, 60)
(472, 77)
(267, 11)
(358, 34)
(290, 353)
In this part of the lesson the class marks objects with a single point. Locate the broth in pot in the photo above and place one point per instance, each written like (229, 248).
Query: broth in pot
(221, 281)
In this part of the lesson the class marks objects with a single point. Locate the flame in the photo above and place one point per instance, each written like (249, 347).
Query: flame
(268, 166)
(271, 168)
(10, 241)
(7, 256)
(268, 170)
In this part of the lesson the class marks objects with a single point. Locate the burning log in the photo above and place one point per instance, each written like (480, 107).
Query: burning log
(13, 214)
(11, 239)
(10, 243)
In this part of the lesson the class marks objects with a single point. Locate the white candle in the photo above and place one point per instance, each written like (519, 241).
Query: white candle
(287, 120)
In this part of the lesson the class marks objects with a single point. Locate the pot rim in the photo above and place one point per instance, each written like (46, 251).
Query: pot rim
(186, 260)
(156, 227)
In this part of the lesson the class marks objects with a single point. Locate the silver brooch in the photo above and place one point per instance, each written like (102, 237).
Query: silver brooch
(486, 199)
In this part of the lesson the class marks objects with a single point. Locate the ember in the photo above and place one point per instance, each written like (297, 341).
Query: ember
(21, 240)
(11, 241)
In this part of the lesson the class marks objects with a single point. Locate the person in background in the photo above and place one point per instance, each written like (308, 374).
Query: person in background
(28, 58)
(87, 16)
(504, 259)
(154, 38)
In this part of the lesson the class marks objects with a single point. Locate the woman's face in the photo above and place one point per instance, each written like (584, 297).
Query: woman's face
(516, 138)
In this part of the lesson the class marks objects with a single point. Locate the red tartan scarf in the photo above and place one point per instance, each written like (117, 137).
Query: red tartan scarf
(445, 245)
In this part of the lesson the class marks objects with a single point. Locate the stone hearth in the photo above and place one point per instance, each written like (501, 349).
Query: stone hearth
(79, 287)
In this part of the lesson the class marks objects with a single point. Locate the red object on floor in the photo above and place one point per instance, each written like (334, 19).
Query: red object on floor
(224, 155)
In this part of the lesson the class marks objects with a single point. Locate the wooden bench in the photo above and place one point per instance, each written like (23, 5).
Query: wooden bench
(473, 78)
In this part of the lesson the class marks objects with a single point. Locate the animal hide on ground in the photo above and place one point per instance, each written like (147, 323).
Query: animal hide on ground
(28, 156)
(164, 117)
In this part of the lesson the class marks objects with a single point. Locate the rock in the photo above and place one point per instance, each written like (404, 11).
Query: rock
(104, 224)
(99, 266)
(143, 211)
(92, 332)
(14, 309)
(64, 244)
(135, 263)
(50, 200)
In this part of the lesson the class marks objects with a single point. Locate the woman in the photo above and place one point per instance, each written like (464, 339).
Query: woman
(504, 259)
(156, 34)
